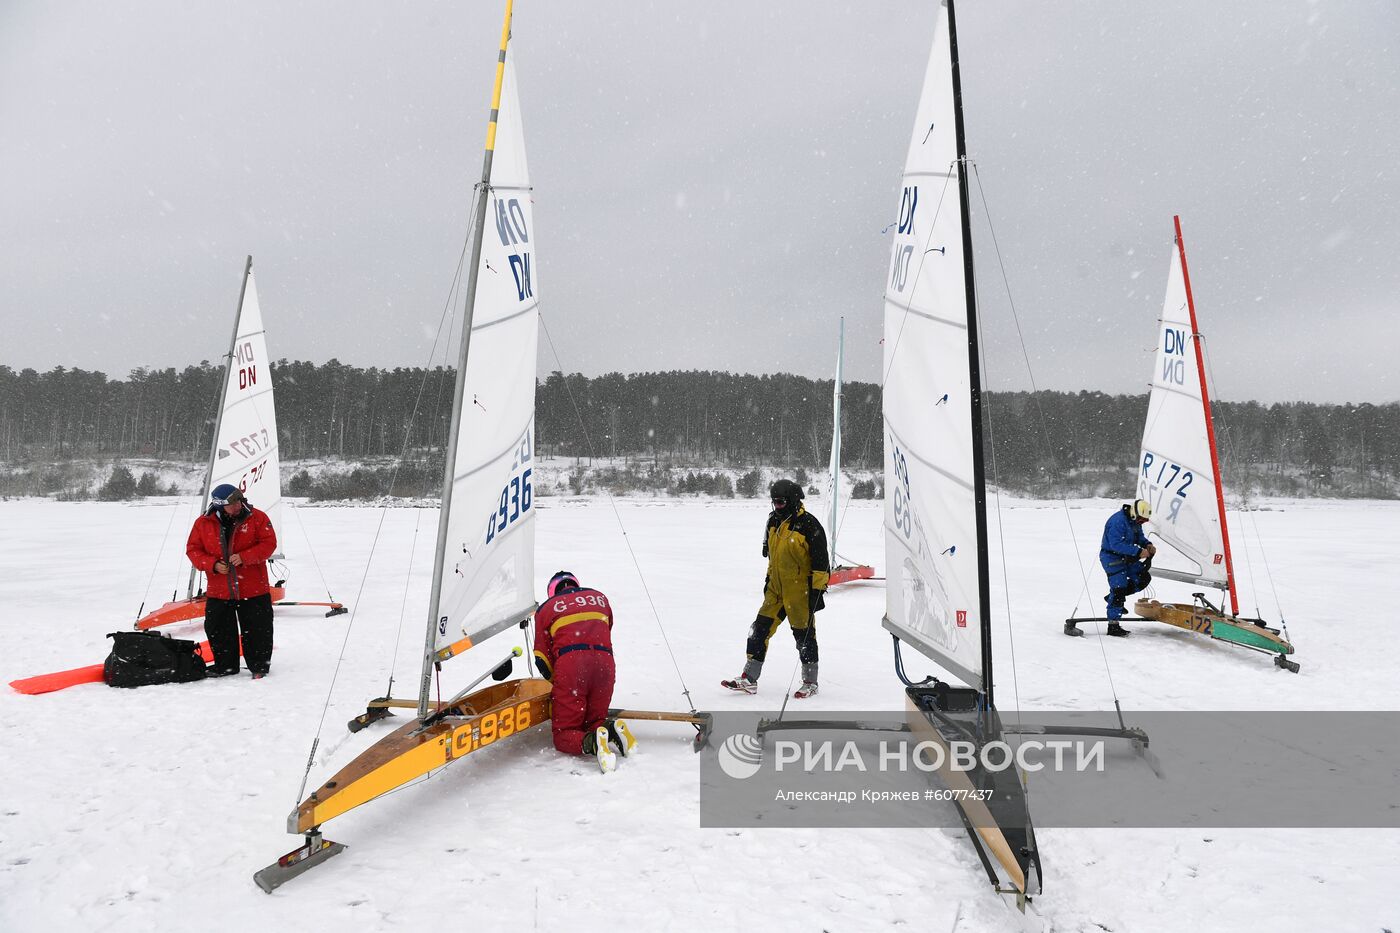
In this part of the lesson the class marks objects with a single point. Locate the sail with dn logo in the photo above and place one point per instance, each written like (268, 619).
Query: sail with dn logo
(1178, 472)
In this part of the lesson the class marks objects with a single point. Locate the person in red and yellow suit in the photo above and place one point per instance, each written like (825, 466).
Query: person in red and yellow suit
(231, 543)
(573, 650)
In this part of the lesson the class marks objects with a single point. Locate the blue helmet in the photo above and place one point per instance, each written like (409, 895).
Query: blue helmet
(224, 493)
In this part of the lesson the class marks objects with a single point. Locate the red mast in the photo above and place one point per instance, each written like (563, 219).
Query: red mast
(1210, 425)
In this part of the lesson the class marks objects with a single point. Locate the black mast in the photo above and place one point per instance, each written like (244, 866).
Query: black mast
(979, 474)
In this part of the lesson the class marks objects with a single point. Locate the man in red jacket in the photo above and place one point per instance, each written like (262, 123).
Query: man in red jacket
(573, 649)
(231, 543)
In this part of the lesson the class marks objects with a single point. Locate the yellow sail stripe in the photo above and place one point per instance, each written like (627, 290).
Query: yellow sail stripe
(500, 80)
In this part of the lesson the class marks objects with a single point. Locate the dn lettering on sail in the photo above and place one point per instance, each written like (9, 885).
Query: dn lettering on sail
(903, 255)
(514, 232)
(1174, 356)
(247, 364)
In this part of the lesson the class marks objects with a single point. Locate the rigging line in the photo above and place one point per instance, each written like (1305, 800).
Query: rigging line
(1030, 373)
(996, 485)
(578, 414)
(1259, 538)
(315, 562)
(155, 565)
(384, 509)
(782, 710)
(403, 606)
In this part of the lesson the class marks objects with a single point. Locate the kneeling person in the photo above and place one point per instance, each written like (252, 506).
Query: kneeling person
(573, 650)
(1126, 555)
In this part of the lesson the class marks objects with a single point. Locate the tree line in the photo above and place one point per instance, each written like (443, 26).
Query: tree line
(1045, 443)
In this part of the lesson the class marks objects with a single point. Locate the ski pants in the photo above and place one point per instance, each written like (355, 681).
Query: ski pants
(764, 627)
(222, 620)
(583, 688)
(1129, 579)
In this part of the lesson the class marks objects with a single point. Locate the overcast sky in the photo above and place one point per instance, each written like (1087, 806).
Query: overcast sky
(713, 181)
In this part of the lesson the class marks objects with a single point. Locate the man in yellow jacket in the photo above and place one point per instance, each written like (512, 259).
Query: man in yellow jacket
(798, 571)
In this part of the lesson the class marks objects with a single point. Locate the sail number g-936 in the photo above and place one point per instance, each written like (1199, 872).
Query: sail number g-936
(491, 727)
(516, 496)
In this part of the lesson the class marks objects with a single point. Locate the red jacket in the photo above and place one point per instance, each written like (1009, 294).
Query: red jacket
(574, 617)
(253, 540)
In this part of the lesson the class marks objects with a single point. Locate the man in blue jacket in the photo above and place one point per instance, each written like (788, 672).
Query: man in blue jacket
(1126, 555)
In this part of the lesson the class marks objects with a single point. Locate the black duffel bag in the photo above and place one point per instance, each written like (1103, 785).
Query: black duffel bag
(141, 658)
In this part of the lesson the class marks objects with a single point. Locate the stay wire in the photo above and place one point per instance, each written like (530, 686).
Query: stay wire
(403, 605)
(996, 486)
(1030, 373)
(1259, 538)
(156, 564)
(578, 415)
(384, 509)
(315, 562)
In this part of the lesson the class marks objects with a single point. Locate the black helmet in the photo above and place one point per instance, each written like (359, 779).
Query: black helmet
(785, 495)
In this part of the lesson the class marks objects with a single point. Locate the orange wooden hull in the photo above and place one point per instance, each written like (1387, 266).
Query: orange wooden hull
(476, 721)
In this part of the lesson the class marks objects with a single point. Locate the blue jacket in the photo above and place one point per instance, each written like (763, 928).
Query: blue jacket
(1122, 540)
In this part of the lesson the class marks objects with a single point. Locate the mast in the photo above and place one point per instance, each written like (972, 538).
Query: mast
(450, 455)
(1210, 423)
(979, 475)
(223, 397)
(836, 440)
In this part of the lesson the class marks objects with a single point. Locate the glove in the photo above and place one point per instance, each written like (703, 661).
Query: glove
(816, 600)
(1144, 553)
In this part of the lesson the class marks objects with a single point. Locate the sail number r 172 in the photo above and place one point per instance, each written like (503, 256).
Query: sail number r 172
(1171, 480)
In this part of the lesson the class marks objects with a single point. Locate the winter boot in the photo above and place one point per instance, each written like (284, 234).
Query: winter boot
(741, 684)
(621, 736)
(1117, 631)
(595, 743)
(808, 689)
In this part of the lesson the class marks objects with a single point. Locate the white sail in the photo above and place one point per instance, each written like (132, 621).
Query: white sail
(931, 549)
(488, 568)
(246, 452)
(1175, 472)
(834, 468)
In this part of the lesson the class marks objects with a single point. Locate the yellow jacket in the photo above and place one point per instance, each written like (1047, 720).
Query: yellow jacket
(798, 562)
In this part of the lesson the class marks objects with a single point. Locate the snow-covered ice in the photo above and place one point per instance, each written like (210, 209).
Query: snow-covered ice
(150, 809)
